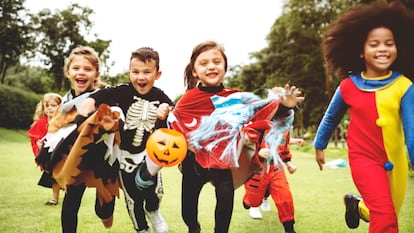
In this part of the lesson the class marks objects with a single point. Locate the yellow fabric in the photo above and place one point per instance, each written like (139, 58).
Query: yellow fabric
(363, 211)
(390, 122)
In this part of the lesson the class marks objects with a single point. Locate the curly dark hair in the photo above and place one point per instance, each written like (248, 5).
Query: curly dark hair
(344, 39)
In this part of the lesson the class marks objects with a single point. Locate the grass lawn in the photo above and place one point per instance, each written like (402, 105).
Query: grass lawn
(317, 196)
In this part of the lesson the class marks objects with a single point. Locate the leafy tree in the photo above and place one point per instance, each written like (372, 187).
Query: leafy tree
(293, 56)
(117, 79)
(57, 33)
(34, 79)
(14, 35)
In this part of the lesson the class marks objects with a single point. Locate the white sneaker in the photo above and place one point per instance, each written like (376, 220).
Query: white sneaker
(158, 223)
(144, 231)
(265, 205)
(255, 213)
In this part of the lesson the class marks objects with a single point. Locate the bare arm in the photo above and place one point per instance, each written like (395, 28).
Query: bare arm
(320, 158)
(298, 141)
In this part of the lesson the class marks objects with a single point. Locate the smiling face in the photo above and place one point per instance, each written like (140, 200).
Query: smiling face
(209, 67)
(51, 106)
(143, 75)
(379, 52)
(82, 74)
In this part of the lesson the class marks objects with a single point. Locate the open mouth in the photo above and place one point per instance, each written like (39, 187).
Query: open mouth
(81, 81)
(382, 58)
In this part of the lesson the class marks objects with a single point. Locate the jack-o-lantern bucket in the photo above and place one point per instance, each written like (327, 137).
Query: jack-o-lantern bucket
(166, 147)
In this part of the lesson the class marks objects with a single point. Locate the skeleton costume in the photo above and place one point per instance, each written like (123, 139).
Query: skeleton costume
(141, 120)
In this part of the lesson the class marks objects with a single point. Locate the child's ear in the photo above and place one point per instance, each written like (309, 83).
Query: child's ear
(159, 73)
(97, 78)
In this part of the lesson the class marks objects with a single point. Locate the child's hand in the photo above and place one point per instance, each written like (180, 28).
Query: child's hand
(291, 167)
(163, 111)
(297, 141)
(39, 143)
(291, 97)
(320, 158)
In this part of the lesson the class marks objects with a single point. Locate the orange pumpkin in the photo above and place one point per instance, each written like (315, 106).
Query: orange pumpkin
(166, 147)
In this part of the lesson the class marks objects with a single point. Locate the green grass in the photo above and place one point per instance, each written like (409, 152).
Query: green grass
(317, 195)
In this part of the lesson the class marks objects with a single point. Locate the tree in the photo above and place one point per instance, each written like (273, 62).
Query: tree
(14, 35)
(57, 33)
(293, 56)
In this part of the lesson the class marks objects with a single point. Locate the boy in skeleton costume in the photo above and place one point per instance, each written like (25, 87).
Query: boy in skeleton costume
(146, 108)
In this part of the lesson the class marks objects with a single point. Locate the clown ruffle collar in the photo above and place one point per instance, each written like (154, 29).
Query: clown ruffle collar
(367, 84)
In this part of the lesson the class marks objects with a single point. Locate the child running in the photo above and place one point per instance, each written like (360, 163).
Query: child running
(146, 108)
(203, 112)
(45, 110)
(273, 180)
(82, 69)
(372, 48)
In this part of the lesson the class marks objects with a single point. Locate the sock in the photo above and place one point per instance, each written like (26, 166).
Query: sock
(288, 225)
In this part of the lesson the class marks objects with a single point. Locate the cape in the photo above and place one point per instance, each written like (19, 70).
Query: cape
(225, 129)
(85, 154)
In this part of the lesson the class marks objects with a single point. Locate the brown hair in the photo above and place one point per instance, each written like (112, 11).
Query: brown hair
(344, 39)
(88, 52)
(146, 54)
(189, 80)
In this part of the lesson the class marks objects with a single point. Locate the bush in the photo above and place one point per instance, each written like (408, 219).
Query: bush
(16, 107)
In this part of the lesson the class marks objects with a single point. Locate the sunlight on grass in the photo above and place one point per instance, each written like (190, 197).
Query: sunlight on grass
(317, 196)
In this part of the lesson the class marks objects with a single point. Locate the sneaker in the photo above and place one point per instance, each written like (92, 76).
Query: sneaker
(144, 231)
(352, 213)
(157, 221)
(108, 222)
(51, 202)
(255, 213)
(265, 205)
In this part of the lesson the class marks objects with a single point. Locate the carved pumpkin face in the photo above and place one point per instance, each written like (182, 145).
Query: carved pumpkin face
(166, 147)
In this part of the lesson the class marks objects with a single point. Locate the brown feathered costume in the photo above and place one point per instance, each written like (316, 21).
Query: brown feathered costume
(88, 154)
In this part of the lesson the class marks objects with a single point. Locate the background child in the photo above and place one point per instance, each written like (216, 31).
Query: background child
(273, 180)
(204, 76)
(265, 206)
(146, 108)
(371, 48)
(45, 110)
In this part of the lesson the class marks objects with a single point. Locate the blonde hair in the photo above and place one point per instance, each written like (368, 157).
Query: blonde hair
(40, 107)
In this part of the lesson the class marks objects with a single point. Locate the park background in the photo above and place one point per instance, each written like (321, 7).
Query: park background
(36, 37)
(317, 196)
(35, 41)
